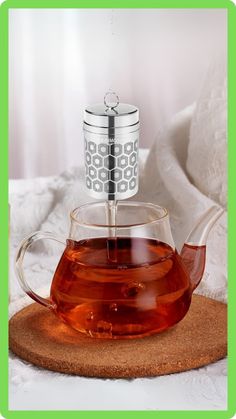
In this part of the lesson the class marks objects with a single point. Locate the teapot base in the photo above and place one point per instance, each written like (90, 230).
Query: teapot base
(147, 323)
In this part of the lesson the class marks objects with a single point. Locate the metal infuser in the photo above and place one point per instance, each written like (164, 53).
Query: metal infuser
(111, 131)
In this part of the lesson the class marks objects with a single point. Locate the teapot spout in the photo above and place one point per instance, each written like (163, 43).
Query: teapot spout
(193, 252)
(200, 231)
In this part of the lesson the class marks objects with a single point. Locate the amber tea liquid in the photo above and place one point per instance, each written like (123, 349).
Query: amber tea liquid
(122, 287)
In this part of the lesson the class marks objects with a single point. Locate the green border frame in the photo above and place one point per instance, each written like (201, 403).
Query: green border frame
(188, 4)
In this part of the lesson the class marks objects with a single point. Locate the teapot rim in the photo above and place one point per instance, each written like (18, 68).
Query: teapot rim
(163, 217)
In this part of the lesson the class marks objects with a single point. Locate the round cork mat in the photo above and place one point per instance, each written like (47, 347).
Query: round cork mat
(38, 336)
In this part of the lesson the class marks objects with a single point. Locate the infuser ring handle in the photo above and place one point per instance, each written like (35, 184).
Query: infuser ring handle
(111, 104)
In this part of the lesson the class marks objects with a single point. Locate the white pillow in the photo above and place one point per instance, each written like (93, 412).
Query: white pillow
(207, 151)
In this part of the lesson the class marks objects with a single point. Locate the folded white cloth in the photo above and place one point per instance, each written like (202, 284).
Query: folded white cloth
(207, 152)
(171, 187)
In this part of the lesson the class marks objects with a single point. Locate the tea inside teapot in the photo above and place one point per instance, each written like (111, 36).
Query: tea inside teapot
(122, 287)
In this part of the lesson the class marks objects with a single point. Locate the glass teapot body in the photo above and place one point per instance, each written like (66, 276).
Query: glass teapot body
(123, 280)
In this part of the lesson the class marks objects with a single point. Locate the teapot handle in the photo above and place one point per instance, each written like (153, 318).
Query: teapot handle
(22, 249)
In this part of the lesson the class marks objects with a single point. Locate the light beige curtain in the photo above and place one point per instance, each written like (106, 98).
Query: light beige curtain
(62, 59)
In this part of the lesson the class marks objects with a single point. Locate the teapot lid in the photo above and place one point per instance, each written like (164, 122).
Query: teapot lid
(111, 113)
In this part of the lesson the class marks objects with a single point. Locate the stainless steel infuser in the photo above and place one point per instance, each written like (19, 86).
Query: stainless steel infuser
(111, 131)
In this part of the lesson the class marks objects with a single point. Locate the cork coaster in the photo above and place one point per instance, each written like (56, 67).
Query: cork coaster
(38, 336)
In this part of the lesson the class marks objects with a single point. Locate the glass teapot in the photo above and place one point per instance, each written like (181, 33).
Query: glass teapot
(123, 280)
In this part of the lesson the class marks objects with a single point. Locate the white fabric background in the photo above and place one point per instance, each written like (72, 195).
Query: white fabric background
(63, 59)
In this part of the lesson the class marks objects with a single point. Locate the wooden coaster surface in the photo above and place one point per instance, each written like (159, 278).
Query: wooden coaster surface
(38, 336)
